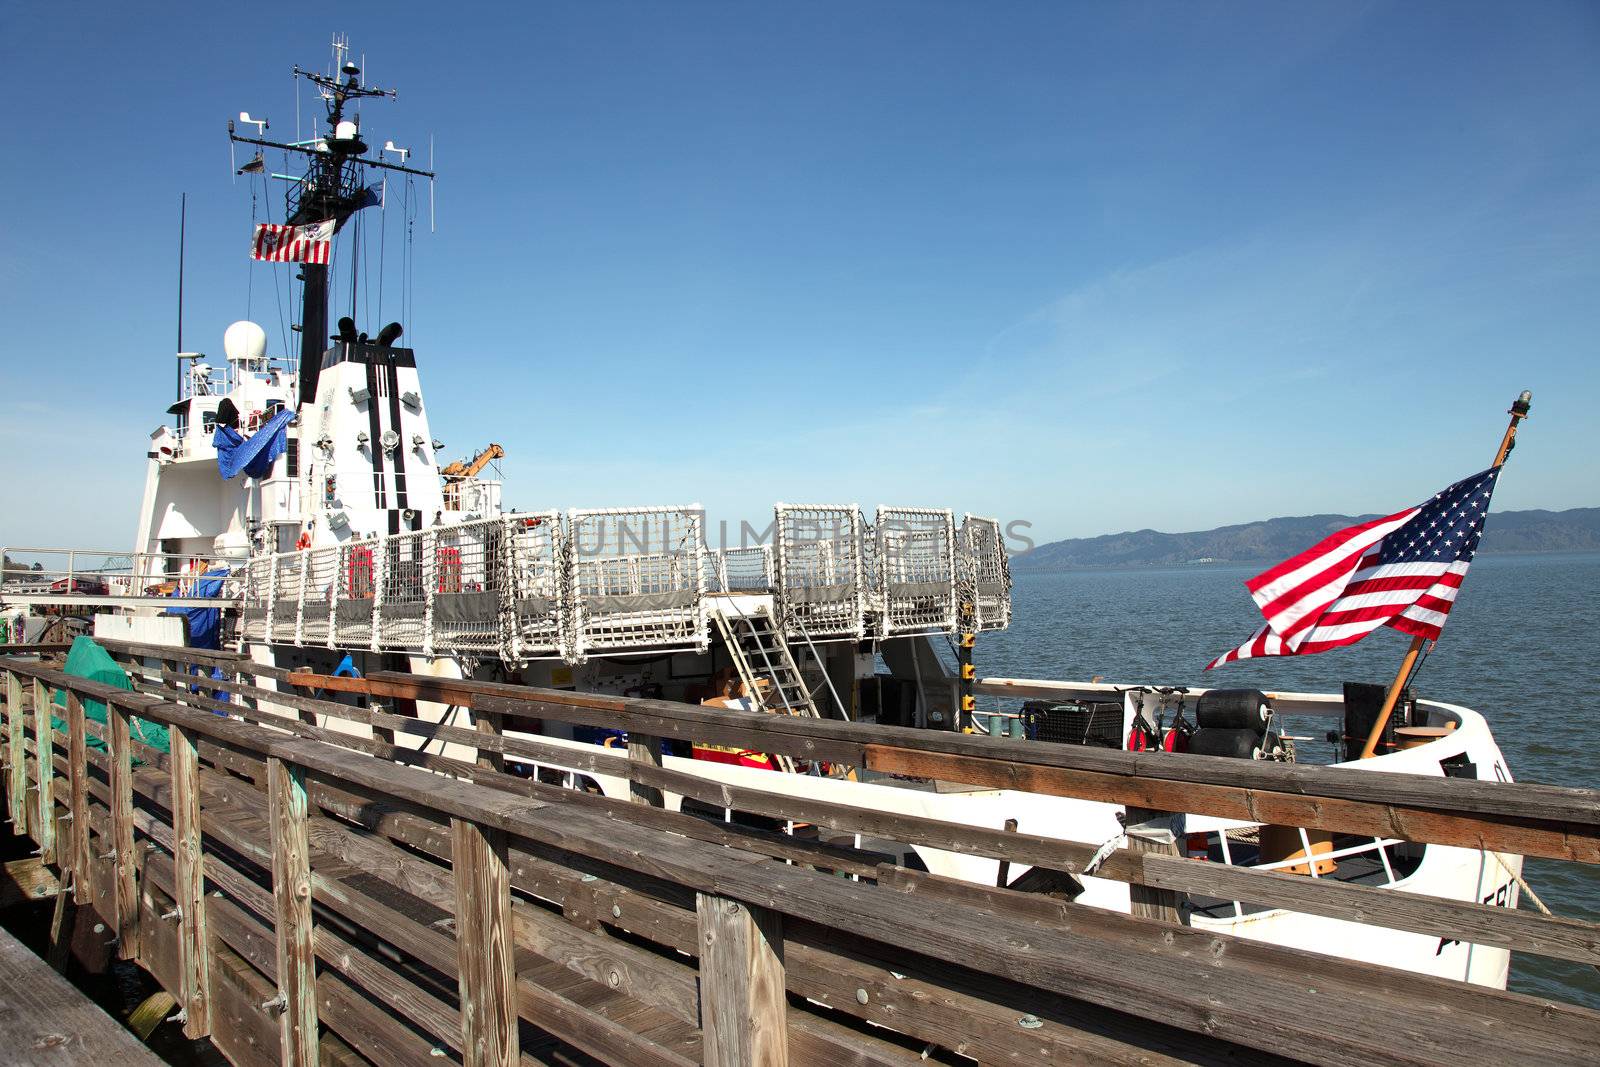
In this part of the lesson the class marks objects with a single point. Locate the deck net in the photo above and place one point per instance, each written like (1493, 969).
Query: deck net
(405, 574)
(916, 564)
(637, 577)
(985, 572)
(538, 603)
(257, 598)
(740, 570)
(821, 568)
(286, 585)
(356, 592)
(469, 603)
(316, 605)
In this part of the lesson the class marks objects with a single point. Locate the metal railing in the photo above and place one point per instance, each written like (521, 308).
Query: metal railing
(523, 586)
(36, 572)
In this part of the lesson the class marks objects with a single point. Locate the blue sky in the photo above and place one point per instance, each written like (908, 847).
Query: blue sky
(1098, 267)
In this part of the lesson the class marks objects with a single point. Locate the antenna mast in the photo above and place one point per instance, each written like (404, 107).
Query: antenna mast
(333, 188)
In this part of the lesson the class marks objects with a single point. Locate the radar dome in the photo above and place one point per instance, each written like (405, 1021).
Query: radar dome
(244, 341)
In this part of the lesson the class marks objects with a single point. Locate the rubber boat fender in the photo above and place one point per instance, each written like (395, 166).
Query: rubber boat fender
(1233, 709)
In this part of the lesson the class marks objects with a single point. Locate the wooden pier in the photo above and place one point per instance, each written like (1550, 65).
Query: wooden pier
(312, 888)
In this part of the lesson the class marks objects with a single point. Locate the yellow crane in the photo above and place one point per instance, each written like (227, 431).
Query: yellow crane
(460, 471)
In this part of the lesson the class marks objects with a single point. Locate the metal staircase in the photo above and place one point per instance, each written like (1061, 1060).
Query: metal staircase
(765, 663)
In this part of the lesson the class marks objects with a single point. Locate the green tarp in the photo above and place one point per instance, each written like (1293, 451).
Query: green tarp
(89, 661)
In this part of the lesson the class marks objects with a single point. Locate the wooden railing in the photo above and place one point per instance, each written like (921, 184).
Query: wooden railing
(308, 893)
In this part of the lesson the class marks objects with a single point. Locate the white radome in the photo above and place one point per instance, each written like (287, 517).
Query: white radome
(244, 341)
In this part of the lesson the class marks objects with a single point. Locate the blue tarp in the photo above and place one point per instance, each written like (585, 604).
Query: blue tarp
(253, 455)
(205, 624)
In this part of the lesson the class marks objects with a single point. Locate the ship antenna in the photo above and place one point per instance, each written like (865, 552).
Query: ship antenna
(332, 188)
(183, 218)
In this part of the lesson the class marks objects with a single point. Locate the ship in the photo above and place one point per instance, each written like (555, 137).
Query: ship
(296, 509)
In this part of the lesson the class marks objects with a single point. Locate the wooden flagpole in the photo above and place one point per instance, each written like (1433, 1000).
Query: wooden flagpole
(1518, 412)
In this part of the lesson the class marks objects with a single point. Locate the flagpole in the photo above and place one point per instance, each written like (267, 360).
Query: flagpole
(1518, 412)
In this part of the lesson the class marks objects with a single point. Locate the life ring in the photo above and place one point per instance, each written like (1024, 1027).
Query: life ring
(304, 542)
(252, 421)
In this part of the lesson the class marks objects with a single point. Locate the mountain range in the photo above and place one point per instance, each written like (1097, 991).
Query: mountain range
(1270, 540)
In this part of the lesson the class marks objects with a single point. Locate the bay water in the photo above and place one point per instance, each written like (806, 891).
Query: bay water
(1519, 648)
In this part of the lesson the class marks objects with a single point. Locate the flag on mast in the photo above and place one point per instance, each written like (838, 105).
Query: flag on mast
(309, 243)
(1400, 571)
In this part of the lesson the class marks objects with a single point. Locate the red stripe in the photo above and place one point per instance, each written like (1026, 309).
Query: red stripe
(1327, 545)
(1426, 631)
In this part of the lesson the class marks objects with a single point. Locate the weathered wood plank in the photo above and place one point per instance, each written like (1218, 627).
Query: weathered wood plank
(484, 935)
(291, 890)
(643, 751)
(1516, 835)
(743, 1004)
(44, 759)
(125, 875)
(78, 798)
(16, 755)
(194, 945)
(1151, 833)
(46, 1022)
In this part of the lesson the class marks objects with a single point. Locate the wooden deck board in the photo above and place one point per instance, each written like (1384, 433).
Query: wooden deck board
(45, 1021)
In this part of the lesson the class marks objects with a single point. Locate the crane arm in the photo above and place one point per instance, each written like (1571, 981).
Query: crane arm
(459, 471)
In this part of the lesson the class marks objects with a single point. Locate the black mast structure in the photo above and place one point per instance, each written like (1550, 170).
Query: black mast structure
(333, 188)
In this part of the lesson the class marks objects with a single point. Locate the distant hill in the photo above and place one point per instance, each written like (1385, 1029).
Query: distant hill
(1275, 539)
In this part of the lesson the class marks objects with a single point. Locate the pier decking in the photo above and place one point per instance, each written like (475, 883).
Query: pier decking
(313, 888)
(46, 1022)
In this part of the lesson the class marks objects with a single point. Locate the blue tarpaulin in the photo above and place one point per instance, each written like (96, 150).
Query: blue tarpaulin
(253, 455)
(205, 624)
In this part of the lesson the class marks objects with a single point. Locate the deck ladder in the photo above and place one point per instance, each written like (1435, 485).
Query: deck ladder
(765, 663)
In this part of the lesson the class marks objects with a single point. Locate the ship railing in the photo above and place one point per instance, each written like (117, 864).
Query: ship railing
(740, 570)
(916, 554)
(93, 572)
(538, 600)
(984, 578)
(821, 564)
(637, 578)
(528, 585)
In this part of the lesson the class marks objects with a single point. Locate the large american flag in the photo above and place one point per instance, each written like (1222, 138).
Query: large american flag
(1400, 571)
(309, 243)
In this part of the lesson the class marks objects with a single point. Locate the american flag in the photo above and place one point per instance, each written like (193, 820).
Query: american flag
(1401, 571)
(293, 244)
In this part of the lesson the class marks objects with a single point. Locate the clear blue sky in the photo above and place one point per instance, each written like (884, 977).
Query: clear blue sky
(1099, 267)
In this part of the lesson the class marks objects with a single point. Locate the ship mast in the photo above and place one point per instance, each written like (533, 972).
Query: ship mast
(333, 188)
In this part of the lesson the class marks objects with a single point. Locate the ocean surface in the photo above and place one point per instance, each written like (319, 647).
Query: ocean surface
(1520, 648)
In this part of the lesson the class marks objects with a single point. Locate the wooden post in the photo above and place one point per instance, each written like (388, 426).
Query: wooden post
(743, 1007)
(488, 722)
(488, 978)
(291, 892)
(17, 755)
(1151, 831)
(194, 946)
(1519, 411)
(78, 799)
(125, 892)
(44, 749)
(646, 750)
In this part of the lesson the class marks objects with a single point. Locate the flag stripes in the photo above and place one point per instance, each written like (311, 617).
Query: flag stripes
(310, 243)
(1402, 571)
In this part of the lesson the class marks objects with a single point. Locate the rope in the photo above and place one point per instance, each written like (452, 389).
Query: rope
(1523, 885)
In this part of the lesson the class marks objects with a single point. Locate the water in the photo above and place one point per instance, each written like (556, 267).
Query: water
(1519, 648)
